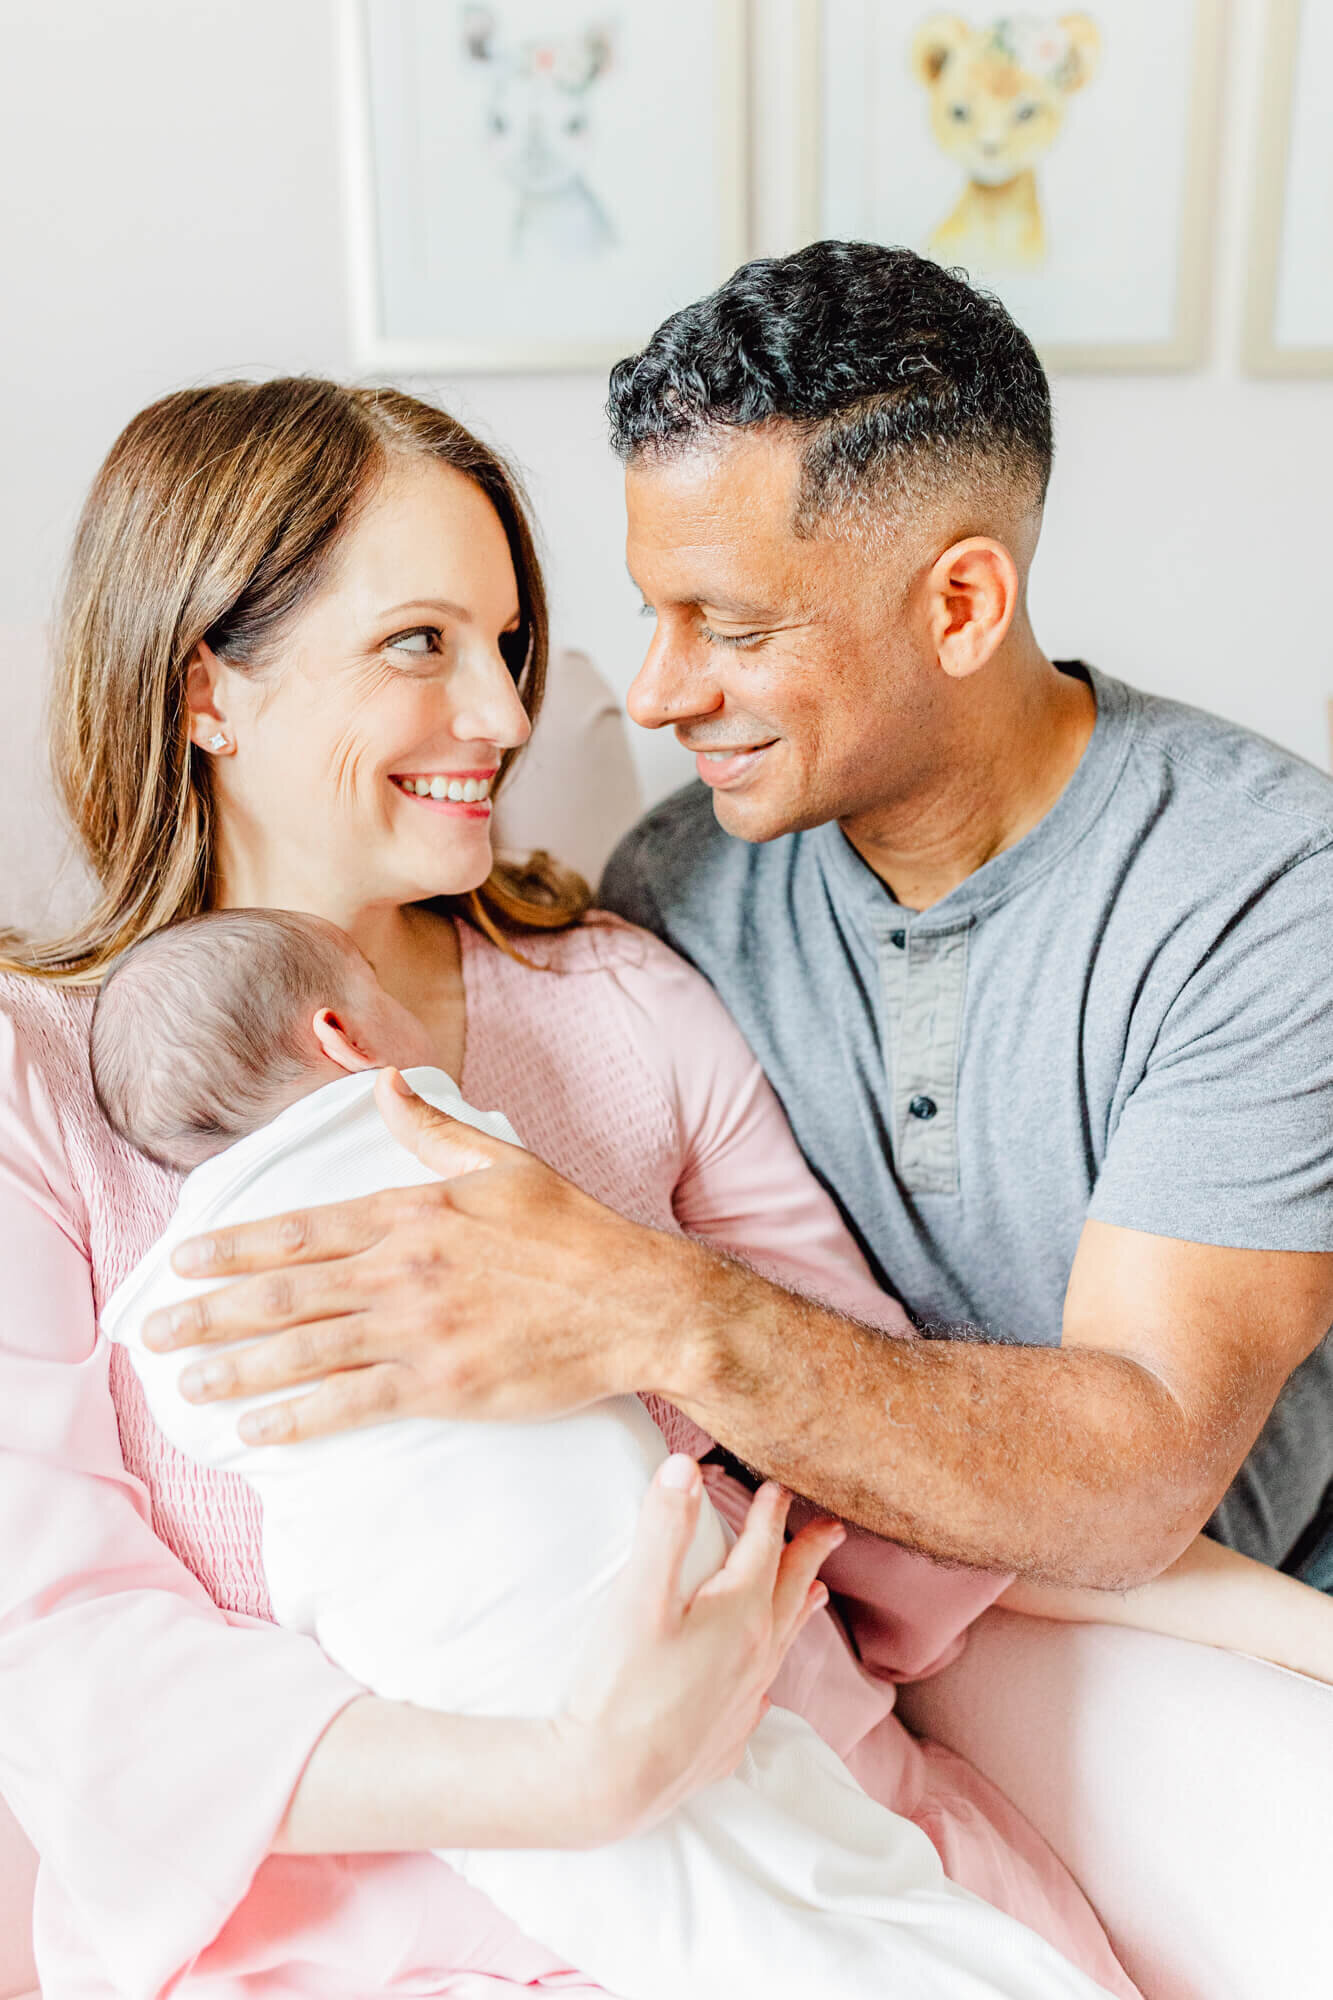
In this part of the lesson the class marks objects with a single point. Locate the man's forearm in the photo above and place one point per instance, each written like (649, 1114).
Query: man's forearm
(1071, 1464)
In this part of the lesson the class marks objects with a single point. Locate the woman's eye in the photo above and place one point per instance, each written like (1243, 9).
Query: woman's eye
(959, 113)
(1024, 112)
(420, 641)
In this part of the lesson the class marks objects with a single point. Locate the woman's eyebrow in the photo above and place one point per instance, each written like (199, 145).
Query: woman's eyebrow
(444, 607)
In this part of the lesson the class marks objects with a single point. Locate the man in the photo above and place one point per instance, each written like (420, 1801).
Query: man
(1038, 966)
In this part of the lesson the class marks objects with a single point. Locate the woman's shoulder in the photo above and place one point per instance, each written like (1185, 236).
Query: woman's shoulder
(45, 1023)
(603, 942)
(45, 1088)
(606, 963)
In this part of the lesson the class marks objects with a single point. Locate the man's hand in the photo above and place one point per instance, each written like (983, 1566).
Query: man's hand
(479, 1296)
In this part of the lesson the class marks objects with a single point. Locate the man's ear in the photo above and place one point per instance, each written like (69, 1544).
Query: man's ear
(974, 592)
(337, 1044)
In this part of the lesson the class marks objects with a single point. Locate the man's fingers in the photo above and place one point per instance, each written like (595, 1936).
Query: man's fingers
(666, 1525)
(307, 1236)
(306, 1354)
(343, 1402)
(446, 1145)
(264, 1304)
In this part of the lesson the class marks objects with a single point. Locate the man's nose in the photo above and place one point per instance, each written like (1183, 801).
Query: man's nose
(673, 685)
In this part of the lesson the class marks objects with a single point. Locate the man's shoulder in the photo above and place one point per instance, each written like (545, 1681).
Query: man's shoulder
(678, 859)
(679, 826)
(1223, 780)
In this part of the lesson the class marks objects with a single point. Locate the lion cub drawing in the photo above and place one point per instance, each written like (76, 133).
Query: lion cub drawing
(998, 97)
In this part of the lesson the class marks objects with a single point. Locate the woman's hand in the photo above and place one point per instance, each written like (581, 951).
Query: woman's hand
(671, 1689)
(674, 1686)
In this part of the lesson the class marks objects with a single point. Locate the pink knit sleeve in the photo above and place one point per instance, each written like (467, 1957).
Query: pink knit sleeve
(148, 1744)
(745, 1187)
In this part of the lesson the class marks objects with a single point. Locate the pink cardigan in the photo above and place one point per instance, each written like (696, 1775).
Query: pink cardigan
(153, 1720)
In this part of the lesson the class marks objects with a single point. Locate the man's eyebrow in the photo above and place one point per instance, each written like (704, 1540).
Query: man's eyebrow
(733, 607)
(730, 607)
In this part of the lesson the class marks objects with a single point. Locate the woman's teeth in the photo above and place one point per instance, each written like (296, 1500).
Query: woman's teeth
(460, 791)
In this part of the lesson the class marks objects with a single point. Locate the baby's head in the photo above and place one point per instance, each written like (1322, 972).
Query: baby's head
(206, 1030)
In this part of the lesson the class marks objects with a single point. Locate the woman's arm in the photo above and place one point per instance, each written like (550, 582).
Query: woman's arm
(127, 1699)
(1211, 1595)
(147, 1745)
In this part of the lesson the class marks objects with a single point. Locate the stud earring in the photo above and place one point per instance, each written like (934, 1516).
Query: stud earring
(219, 742)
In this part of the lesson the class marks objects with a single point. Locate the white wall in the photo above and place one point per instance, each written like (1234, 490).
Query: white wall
(170, 209)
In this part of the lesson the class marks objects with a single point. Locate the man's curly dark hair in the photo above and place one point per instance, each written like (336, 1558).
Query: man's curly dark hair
(903, 379)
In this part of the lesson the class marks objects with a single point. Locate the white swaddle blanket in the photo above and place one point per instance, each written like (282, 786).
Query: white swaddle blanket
(457, 1565)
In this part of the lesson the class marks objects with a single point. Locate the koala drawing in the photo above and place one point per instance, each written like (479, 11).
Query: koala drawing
(998, 97)
(538, 110)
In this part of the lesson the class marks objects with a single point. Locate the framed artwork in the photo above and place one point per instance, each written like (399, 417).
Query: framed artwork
(537, 183)
(1064, 160)
(1289, 305)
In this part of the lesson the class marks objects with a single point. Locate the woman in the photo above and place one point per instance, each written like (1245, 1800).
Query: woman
(303, 637)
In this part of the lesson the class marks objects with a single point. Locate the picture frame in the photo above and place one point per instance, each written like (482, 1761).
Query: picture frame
(1095, 312)
(1288, 327)
(480, 238)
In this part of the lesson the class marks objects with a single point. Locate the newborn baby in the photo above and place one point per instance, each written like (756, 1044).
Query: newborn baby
(241, 1047)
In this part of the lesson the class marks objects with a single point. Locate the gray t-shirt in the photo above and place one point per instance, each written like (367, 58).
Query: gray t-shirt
(1128, 1015)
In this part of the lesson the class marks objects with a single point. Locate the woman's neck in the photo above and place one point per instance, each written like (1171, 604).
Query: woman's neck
(413, 948)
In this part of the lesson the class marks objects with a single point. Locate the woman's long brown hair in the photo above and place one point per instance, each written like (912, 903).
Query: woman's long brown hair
(215, 517)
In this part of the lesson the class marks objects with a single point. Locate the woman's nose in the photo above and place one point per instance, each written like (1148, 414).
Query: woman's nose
(488, 708)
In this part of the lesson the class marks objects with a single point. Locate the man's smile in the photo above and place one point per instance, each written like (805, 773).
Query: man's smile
(729, 765)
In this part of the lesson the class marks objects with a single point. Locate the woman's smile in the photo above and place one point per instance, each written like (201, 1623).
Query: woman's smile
(465, 794)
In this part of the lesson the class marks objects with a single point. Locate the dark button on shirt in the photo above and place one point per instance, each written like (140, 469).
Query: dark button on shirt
(923, 1107)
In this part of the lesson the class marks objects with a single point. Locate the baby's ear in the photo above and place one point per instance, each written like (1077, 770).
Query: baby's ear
(337, 1044)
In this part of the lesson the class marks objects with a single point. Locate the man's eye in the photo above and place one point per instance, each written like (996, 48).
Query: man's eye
(1024, 112)
(738, 639)
(959, 113)
(421, 640)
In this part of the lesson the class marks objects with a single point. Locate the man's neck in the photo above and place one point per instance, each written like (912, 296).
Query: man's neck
(1017, 747)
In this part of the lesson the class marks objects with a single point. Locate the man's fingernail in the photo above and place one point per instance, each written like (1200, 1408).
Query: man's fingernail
(192, 1258)
(680, 1472)
(399, 1083)
(258, 1426)
(197, 1381)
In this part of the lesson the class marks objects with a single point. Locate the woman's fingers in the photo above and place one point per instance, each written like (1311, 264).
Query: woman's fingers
(667, 1521)
(753, 1562)
(802, 1560)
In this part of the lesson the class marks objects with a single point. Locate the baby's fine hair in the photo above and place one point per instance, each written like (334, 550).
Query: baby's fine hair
(202, 1030)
